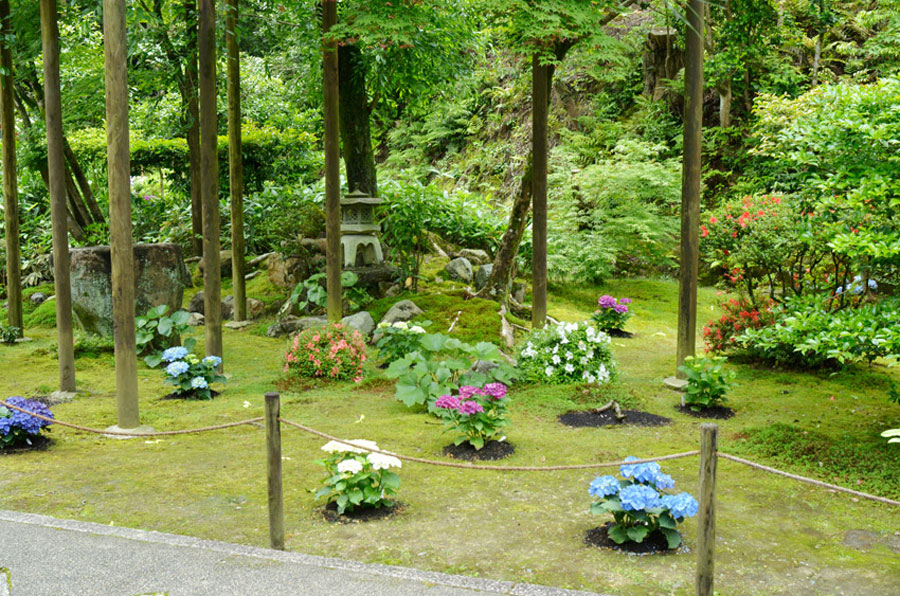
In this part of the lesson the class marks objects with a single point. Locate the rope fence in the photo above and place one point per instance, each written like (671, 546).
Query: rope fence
(708, 453)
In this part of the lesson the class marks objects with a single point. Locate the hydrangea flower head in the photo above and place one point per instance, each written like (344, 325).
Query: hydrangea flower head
(470, 407)
(199, 383)
(621, 308)
(448, 402)
(467, 391)
(606, 301)
(356, 446)
(177, 368)
(212, 361)
(643, 473)
(495, 390)
(638, 497)
(603, 486)
(349, 466)
(28, 423)
(680, 506)
(381, 461)
(173, 354)
(663, 481)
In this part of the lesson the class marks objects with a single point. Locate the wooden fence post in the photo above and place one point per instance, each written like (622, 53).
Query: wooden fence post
(273, 457)
(706, 524)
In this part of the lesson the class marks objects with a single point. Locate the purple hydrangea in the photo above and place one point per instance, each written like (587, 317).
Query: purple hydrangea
(448, 402)
(637, 497)
(621, 309)
(16, 419)
(470, 407)
(680, 506)
(495, 390)
(467, 391)
(607, 301)
(604, 486)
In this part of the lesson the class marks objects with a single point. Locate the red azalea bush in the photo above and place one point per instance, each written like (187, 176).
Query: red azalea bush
(332, 352)
(721, 335)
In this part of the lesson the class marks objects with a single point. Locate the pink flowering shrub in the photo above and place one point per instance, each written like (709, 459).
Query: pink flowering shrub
(331, 352)
(476, 413)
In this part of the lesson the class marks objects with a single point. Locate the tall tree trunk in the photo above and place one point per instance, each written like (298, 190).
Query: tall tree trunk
(331, 92)
(356, 136)
(120, 228)
(209, 176)
(235, 161)
(10, 173)
(817, 57)
(541, 103)
(725, 103)
(690, 185)
(56, 168)
(192, 125)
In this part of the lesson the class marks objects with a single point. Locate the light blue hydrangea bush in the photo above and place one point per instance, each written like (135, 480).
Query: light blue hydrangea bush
(639, 504)
(191, 375)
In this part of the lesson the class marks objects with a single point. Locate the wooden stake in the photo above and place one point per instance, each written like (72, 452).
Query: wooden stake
(273, 460)
(235, 161)
(56, 171)
(540, 107)
(706, 522)
(209, 177)
(121, 243)
(690, 184)
(10, 173)
(332, 166)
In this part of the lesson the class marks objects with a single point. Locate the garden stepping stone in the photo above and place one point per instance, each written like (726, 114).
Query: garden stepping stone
(459, 269)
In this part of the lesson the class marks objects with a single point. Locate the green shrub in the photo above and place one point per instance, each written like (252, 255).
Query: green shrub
(708, 382)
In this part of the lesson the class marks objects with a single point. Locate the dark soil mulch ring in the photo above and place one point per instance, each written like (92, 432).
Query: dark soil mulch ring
(593, 418)
(715, 412)
(190, 395)
(620, 333)
(652, 544)
(38, 443)
(360, 515)
(492, 450)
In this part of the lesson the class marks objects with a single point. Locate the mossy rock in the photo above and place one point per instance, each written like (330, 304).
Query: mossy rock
(42, 316)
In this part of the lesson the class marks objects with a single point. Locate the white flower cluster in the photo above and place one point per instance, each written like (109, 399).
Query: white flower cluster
(403, 325)
(356, 446)
(378, 461)
(569, 351)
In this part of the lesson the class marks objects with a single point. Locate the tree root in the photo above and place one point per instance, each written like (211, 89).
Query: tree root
(612, 405)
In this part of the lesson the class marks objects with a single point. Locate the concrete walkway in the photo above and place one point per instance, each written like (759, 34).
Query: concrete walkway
(53, 557)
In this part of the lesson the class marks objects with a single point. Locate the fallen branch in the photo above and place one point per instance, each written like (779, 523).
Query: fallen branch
(612, 405)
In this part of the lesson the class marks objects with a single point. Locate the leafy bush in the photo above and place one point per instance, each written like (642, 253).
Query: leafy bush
(808, 333)
(477, 414)
(441, 364)
(639, 505)
(155, 331)
(17, 427)
(708, 382)
(311, 293)
(398, 339)
(334, 352)
(612, 314)
(357, 477)
(567, 353)
(721, 335)
(190, 375)
(278, 216)
(9, 334)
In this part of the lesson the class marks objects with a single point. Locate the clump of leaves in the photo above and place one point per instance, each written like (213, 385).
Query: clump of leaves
(708, 382)
(157, 331)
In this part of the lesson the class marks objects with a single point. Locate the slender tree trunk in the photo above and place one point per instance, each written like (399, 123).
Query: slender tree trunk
(120, 230)
(332, 165)
(725, 103)
(502, 271)
(817, 57)
(748, 97)
(690, 186)
(192, 125)
(10, 173)
(84, 192)
(209, 177)
(56, 168)
(359, 157)
(235, 161)
(540, 109)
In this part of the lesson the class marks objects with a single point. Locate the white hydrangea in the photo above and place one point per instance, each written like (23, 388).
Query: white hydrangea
(400, 325)
(356, 446)
(350, 466)
(417, 329)
(383, 462)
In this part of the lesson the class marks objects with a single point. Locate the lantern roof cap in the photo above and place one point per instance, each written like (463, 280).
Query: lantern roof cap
(359, 197)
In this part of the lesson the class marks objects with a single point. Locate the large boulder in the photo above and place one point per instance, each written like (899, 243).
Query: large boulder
(475, 256)
(291, 325)
(459, 269)
(402, 311)
(160, 277)
(286, 272)
(361, 321)
(482, 275)
(225, 258)
(198, 305)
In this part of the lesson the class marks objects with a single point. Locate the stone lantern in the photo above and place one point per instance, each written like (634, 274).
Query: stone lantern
(359, 232)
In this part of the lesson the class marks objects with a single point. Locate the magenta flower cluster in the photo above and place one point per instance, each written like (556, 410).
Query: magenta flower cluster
(620, 306)
(476, 413)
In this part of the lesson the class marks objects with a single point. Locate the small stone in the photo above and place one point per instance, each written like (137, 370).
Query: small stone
(459, 269)
(402, 311)
(255, 308)
(237, 325)
(362, 321)
(474, 255)
(38, 298)
(252, 275)
(196, 320)
(198, 304)
(392, 291)
(482, 274)
(484, 367)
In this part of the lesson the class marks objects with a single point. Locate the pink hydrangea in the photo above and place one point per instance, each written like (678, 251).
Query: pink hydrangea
(470, 407)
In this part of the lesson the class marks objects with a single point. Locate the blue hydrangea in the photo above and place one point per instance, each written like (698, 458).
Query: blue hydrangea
(212, 361)
(173, 354)
(604, 486)
(177, 368)
(15, 419)
(638, 497)
(873, 285)
(680, 506)
(199, 383)
(643, 473)
(663, 481)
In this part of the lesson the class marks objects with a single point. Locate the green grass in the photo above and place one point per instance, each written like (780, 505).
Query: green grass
(775, 536)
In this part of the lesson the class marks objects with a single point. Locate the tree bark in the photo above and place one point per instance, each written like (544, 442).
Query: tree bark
(817, 57)
(10, 173)
(690, 186)
(120, 229)
(331, 87)
(192, 125)
(541, 104)
(56, 168)
(725, 103)
(356, 136)
(235, 161)
(209, 176)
